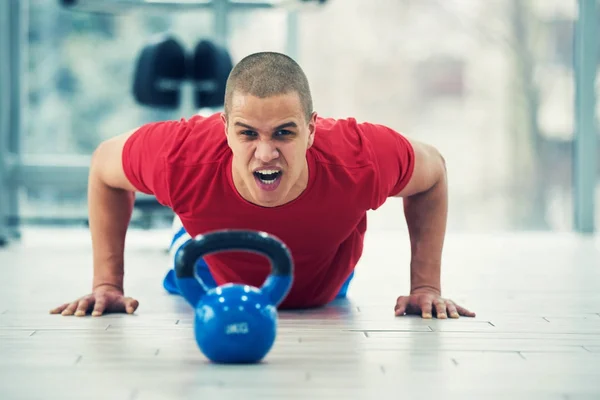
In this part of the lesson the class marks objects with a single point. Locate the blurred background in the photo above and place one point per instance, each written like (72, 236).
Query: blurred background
(492, 84)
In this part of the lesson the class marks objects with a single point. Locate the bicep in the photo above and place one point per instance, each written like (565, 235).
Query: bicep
(107, 162)
(429, 168)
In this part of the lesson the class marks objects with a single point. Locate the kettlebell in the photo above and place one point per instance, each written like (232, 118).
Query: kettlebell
(234, 323)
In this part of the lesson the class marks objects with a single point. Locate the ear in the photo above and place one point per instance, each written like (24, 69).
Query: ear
(312, 127)
(224, 119)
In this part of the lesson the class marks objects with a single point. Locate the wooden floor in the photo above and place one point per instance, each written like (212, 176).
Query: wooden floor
(536, 334)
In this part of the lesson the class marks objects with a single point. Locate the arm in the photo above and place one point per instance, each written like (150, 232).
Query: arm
(110, 200)
(426, 210)
(416, 172)
(131, 162)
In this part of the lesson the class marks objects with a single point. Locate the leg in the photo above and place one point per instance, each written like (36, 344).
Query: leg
(180, 238)
(344, 289)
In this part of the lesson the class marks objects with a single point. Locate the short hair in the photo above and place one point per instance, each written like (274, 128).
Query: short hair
(267, 74)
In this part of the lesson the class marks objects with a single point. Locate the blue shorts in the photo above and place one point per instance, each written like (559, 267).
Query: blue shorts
(180, 238)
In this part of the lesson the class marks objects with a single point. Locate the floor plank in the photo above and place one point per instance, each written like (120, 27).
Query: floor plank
(537, 328)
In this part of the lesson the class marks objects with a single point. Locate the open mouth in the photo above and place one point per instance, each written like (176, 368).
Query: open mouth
(267, 176)
(268, 179)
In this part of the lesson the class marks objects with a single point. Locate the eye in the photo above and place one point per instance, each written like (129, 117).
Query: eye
(283, 132)
(248, 133)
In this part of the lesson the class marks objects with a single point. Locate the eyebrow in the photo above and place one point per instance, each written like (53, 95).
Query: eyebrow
(286, 125)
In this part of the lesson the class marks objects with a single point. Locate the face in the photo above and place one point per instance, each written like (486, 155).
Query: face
(269, 138)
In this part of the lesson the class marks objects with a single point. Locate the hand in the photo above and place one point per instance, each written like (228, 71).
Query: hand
(104, 298)
(425, 302)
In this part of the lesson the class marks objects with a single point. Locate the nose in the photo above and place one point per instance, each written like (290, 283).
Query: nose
(265, 151)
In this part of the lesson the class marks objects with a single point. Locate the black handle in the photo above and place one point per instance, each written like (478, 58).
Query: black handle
(232, 240)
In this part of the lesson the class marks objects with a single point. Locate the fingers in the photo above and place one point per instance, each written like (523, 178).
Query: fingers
(445, 307)
(400, 307)
(59, 309)
(405, 305)
(131, 305)
(101, 304)
(79, 307)
(451, 309)
(99, 307)
(426, 306)
(455, 311)
(82, 307)
(465, 312)
(426, 303)
(440, 308)
(70, 309)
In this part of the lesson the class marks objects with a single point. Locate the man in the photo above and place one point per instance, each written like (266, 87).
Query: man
(269, 163)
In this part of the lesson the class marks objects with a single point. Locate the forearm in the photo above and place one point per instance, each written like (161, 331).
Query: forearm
(110, 211)
(426, 216)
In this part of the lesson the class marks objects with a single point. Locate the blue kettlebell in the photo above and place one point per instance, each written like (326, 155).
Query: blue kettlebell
(235, 323)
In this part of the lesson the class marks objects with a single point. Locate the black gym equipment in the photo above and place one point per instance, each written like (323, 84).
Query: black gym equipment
(210, 66)
(160, 71)
(164, 66)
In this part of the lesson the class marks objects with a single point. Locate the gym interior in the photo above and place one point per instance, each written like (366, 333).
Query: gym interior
(505, 89)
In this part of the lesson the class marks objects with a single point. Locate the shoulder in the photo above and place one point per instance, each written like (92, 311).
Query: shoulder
(353, 144)
(197, 140)
(374, 158)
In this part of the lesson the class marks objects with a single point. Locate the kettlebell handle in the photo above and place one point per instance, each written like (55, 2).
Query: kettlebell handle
(277, 284)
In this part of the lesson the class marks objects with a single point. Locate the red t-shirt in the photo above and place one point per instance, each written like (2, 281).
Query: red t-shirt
(354, 167)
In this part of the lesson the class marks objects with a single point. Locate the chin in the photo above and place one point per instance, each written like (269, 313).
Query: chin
(268, 198)
(271, 199)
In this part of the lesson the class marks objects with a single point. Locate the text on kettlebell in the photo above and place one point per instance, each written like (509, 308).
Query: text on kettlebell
(235, 329)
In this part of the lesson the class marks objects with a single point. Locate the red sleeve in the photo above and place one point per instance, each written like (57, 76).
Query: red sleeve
(145, 154)
(393, 159)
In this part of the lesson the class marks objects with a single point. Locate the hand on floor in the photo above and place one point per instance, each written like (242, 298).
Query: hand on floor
(103, 299)
(428, 303)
